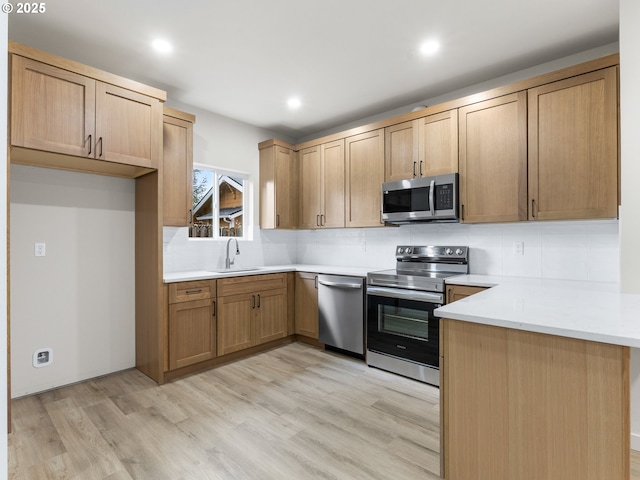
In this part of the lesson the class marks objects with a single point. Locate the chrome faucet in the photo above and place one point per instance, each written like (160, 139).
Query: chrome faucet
(228, 262)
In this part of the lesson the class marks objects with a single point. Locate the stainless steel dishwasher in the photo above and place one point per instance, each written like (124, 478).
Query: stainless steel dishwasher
(341, 313)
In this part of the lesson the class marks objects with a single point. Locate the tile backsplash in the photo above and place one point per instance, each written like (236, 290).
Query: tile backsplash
(578, 250)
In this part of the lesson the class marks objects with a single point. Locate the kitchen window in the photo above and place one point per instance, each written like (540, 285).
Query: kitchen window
(220, 200)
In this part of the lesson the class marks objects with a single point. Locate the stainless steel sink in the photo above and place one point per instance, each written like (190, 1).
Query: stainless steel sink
(234, 270)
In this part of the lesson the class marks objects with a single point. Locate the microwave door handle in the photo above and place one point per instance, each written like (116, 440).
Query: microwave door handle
(432, 192)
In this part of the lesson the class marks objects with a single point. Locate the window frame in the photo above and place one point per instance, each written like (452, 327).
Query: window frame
(247, 196)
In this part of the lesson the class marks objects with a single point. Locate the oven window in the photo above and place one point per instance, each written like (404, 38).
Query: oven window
(403, 321)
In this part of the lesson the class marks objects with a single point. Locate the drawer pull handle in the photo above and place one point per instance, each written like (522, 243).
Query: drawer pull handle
(90, 149)
(258, 301)
(191, 292)
(214, 307)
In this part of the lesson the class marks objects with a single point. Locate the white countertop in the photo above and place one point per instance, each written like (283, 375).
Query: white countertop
(205, 274)
(585, 310)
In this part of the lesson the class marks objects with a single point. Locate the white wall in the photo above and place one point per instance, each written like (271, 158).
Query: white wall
(630, 173)
(79, 298)
(4, 31)
(585, 250)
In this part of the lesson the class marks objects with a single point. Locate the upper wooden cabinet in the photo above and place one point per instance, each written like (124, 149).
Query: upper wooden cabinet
(322, 186)
(364, 175)
(60, 111)
(177, 162)
(573, 148)
(423, 147)
(278, 173)
(493, 160)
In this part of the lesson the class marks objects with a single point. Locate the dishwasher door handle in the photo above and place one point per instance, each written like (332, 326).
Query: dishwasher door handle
(340, 284)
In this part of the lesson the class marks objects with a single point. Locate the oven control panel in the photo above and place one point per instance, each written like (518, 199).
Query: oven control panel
(431, 253)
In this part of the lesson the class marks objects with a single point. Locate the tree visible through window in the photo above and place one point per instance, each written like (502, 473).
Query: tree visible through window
(218, 204)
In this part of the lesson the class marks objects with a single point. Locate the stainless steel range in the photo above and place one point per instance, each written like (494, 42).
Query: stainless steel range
(402, 332)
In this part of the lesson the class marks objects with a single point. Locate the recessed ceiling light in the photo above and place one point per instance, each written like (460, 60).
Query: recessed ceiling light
(162, 46)
(429, 47)
(294, 102)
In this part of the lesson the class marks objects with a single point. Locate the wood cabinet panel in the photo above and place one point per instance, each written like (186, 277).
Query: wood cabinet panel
(192, 332)
(250, 283)
(364, 175)
(51, 109)
(573, 148)
(128, 126)
(401, 151)
(306, 304)
(527, 405)
(278, 187)
(192, 290)
(310, 185)
(457, 292)
(235, 323)
(438, 148)
(332, 186)
(177, 163)
(493, 160)
(271, 315)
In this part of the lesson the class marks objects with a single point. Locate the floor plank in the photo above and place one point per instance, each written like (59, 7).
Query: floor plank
(292, 412)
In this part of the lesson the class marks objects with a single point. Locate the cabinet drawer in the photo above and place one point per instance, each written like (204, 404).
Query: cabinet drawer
(251, 284)
(194, 290)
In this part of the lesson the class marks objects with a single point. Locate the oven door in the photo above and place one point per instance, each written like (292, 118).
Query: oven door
(401, 323)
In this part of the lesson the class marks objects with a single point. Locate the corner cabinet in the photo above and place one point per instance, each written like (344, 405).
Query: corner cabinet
(322, 186)
(573, 147)
(364, 175)
(493, 160)
(458, 292)
(252, 310)
(278, 185)
(62, 112)
(177, 161)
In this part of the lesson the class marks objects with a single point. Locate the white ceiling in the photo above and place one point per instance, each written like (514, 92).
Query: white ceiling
(345, 59)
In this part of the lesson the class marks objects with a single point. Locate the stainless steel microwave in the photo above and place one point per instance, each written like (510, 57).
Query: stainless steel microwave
(428, 199)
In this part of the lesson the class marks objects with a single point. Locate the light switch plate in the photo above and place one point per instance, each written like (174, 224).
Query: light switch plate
(40, 250)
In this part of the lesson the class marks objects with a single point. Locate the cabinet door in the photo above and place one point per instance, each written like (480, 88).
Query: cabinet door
(271, 315)
(192, 332)
(364, 174)
(51, 109)
(286, 206)
(438, 144)
(306, 306)
(177, 162)
(401, 151)
(332, 198)
(310, 180)
(573, 148)
(235, 322)
(493, 160)
(128, 127)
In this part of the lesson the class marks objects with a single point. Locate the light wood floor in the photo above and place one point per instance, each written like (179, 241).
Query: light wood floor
(292, 413)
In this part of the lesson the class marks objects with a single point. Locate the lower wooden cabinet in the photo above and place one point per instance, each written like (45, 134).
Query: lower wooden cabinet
(306, 306)
(457, 292)
(191, 322)
(251, 310)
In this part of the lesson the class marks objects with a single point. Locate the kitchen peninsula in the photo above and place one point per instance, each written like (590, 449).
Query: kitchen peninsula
(535, 380)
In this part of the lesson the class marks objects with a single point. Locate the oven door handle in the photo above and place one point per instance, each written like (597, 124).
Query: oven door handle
(406, 294)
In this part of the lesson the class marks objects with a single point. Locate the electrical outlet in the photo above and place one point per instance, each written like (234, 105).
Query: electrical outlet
(518, 248)
(40, 249)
